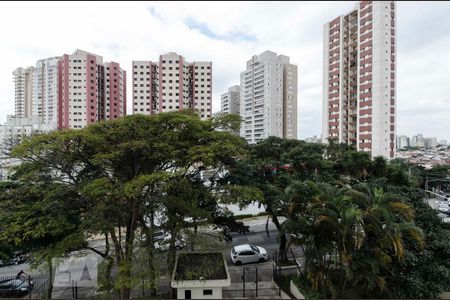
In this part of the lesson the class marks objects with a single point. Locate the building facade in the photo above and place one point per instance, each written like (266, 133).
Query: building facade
(230, 101)
(45, 91)
(359, 96)
(23, 90)
(172, 84)
(268, 98)
(11, 134)
(89, 90)
(402, 142)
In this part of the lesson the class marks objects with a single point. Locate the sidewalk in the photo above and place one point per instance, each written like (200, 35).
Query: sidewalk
(256, 223)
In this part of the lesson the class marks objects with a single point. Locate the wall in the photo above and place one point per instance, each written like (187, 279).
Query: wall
(295, 292)
(197, 293)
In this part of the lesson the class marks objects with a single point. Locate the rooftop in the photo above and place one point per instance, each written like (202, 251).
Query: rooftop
(244, 247)
(200, 266)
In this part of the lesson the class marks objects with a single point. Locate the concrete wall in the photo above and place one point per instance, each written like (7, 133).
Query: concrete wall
(295, 292)
(197, 293)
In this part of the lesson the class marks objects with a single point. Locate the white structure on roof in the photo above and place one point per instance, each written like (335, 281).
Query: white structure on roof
(209, 288)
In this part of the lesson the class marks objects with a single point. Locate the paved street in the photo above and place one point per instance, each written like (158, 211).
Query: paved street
(439, 201)
(257, 236)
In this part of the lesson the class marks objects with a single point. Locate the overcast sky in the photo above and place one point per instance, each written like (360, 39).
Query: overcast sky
(228, 34)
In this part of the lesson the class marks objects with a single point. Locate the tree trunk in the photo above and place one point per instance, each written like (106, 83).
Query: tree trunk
(50, 277)
(150, 245)
(195, 235)
(152, 271)
(171, 260)
(109, 264)
(108, 284)
(125, 277)
(283, 241)
(151, 255)
(282, 249)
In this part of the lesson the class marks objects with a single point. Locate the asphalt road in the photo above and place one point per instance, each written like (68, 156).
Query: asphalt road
(256, 236)
(269, 242)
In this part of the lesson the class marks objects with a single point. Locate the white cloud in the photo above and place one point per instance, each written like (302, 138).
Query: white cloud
(228, 34)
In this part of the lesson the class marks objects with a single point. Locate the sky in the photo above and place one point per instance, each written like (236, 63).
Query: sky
(229, 34)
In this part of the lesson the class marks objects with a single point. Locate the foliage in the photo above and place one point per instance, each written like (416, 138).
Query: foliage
(363, 226)
(304, 286)
(349, 236)
(423, 273)
(121, 178)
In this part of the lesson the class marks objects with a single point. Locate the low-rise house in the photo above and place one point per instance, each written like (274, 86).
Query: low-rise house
(200, 275)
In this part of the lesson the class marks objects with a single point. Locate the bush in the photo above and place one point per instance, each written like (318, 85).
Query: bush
(245, 216)
(305, 287)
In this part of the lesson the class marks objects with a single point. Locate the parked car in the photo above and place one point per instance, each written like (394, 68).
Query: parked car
(247, 253)
(444, 210)
(17, 259)
(15, 288)
(163, 243)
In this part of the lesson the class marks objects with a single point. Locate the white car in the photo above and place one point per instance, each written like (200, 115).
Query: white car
(163, 243)
(243, 254)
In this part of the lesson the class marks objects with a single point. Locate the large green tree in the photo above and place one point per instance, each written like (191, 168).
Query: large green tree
(132, 174)
(349, 236)
(424, 273)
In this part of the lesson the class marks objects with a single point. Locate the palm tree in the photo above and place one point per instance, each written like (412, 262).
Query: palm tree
(387, 223)
(362, 229)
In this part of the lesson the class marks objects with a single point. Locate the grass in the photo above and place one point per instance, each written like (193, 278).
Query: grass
(245, 216)
(200, 266)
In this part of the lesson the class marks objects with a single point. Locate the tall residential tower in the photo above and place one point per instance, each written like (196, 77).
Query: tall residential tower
(172, 84)
(45, 91)
(359, 98)
(229, 101)
(268, 100)
(89, 90)
(23, 90)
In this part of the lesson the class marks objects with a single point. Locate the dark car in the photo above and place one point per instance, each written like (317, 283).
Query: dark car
(19, 258)
(15, 288)
(16, 259)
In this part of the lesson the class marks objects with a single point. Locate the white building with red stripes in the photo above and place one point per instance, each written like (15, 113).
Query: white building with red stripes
(359, 83)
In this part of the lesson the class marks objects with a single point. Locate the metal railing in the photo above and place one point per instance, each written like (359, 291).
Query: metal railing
(28, 287)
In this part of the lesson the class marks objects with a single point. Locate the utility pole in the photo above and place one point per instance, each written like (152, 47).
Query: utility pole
(256, 281)
(243, 282)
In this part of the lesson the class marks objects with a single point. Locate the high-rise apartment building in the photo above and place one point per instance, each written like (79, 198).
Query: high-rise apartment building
(402, 141)
(12, 133)
(431, 142)
(268, 100)
(229, 101)
(23, 82)
(172, 84)
(45, 91)
(359, 97)
(89, 90)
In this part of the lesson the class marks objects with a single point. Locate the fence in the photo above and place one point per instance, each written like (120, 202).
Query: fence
(28, 287)
(250, 281)
(283, 271)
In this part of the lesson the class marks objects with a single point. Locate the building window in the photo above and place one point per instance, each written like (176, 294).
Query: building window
(207, 292)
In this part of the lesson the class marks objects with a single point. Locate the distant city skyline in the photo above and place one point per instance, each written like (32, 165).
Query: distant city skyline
(200, 32)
